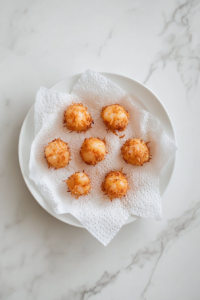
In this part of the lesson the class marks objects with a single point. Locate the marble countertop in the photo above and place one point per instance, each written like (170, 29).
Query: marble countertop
(155, 42)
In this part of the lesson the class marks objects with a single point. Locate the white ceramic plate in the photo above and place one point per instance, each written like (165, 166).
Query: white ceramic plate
(141, 96)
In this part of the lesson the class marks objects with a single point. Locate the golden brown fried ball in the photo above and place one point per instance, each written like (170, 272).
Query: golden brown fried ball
(115, 185)
(135, 152)
(93, 151)
(115, 117)
(57, 154)
(79, 184)
(77, 118)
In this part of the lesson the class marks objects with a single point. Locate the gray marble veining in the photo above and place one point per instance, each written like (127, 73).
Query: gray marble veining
(154, 42)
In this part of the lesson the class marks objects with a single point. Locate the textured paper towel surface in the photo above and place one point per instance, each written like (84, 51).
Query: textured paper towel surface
(96, 212)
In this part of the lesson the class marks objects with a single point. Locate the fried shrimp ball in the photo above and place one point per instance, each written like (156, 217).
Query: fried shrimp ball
(115, 117)
(57, 154)
(78, 184)
(135, 152)
(93, 150)
(77, 118)
(115, 185)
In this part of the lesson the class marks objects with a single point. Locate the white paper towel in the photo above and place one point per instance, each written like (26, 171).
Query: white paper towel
(96, 212)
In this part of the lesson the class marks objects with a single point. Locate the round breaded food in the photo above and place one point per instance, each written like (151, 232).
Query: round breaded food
(79, 184)
(115, 185)
(115, 117)
(93, 150)
(135, 152)
(57, 154)
(77, 118)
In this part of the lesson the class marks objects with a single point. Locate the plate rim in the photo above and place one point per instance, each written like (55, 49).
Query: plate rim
(78, 76)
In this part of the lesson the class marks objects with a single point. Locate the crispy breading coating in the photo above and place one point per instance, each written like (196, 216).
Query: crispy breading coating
(77, 118)
(93, 150)
(57, 154)
(135, 152)
(115, 185)
(115, 117)
(78, 184)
